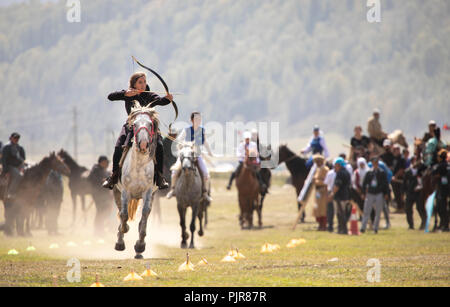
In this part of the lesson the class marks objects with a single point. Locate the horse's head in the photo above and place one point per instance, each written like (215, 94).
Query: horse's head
(58, 165)
(188, 158)
(284, 153)
(144, 131)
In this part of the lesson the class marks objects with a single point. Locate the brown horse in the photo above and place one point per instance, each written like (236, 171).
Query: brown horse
(29, 189)
(248, 193)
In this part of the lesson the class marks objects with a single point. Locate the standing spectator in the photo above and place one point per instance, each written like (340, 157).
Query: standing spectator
(341, 194)
(359, 145)
(374, 128)
(316, 145)
(398, 169)
(329, 181)
(102, 197)
(375, 187)
(430, 134)
(406, 157)
(321, 191)
(348, 166)
(388, 156)
(413, 189)
(441, 171)
(357, 193)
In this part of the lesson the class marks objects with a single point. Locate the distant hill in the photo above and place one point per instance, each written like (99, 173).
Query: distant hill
(298, 62)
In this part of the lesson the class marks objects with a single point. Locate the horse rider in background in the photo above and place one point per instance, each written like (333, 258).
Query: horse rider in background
(196, 134)
(252, 147)
(316, 145)
(374, 128)
(13, 162)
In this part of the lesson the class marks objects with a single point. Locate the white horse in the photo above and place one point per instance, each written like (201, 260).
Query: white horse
(137, 176)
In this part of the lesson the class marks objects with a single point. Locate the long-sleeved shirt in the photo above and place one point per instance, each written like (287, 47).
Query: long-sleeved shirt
(374, 128)
(343, 182)
(320, 140)
(329, 180)
(252, 149)
(376, 182)
(13, 155)
(145, 99)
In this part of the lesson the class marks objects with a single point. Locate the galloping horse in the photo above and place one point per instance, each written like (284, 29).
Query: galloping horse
(188, 191)
(248, 193)
(78, 184)
(137, 176)
(30, 187)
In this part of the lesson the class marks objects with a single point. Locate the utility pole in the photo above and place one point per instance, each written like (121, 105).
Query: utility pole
(75, 134)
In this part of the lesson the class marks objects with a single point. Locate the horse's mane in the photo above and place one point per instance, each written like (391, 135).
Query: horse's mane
(297, 164)
(138, 109)
(36, 172)
(68, 160)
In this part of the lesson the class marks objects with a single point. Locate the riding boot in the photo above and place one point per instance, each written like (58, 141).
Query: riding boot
(114, 178)
(205, 185)
(159, 155)
(174, 184)
(234, 175)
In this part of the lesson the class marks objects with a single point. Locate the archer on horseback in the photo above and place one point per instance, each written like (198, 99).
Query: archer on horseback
(139, 91)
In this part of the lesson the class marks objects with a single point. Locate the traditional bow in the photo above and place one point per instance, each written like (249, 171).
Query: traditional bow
(163, 83)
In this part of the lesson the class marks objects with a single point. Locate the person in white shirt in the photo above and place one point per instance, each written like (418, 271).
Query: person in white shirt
(195, 134)
(329, 181)
(252, 148)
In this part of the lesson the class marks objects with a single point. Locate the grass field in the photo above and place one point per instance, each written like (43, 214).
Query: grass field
(408, 258)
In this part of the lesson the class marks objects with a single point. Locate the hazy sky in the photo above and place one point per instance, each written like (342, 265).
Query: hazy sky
(8, 2)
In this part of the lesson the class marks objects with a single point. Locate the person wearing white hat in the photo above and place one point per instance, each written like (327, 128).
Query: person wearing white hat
(388, 157)
(252, 148)
(374, 128)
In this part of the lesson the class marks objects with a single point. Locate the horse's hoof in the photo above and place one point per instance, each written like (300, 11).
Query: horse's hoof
(120, 247)
(200, 233)
(183, 245)
(191, 246)
(139, 248)
(138, 256)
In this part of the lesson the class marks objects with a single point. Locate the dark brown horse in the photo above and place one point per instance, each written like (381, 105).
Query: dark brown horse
(248, 193)
(296, 167)
(30, 187)
(78, 183)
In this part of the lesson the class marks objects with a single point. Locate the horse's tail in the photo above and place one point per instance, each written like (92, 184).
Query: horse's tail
(132, 208)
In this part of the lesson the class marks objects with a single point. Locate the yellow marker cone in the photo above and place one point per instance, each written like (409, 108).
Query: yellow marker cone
(97, 284)
(186, 266)
(71, 244)
(13, 252)
(228, 258)
(266, 248)
(238, 255)
(53, 246)
(132, 277)
(149, 273)
(202, 262)
(31, 249)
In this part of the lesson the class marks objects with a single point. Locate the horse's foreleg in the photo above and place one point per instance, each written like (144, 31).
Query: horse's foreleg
(139, 247)
(123, 227)
(184, 235)
(259, 210)
(192, 226)
(74, 207)
(200, 219)
(83, 208)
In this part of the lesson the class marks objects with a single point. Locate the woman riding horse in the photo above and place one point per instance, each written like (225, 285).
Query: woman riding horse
(138, 91)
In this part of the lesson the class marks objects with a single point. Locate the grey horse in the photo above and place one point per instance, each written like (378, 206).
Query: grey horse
(188, 191)
(137, 176)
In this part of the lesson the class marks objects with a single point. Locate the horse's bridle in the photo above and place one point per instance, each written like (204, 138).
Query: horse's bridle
(150, 133)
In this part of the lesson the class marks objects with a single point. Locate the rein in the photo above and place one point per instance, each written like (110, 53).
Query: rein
(150, 133)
